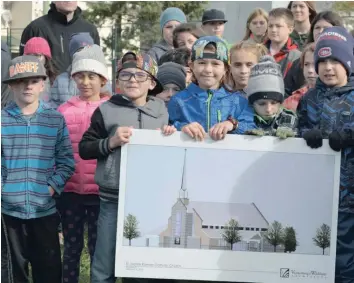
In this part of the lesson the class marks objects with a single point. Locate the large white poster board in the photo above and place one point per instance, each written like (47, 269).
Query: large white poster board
(179, 198)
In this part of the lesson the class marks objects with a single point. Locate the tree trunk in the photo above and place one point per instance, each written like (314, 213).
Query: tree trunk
(130, 242)
(230, 246)
(323, 249)
(275, 248)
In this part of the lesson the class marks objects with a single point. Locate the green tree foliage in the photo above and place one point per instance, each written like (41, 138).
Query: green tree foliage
(343, 6)
(275, 234)
(136, 24)
(231, 232)
(131, 229)
(290, 242)
(323, 237)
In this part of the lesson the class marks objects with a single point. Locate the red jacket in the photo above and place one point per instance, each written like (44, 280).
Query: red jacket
(292, 101)
(77, 114)
(286, 56)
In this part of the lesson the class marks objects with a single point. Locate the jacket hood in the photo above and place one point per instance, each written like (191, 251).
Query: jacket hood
(162, 44)
(288, 46)
(154, 106)
(61, 18)
(76, 101)
(15, 111)
(4, 47)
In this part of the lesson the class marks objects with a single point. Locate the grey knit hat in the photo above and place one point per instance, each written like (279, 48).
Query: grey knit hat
(172, 73)
(266, 81)
(90, 59)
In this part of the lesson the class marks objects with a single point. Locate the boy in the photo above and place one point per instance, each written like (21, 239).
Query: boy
(173, 79)
(326, 112)
(37, 160)
(265, 93)
(213, 22)
(205, 106)
(111, 127)
(280, 45)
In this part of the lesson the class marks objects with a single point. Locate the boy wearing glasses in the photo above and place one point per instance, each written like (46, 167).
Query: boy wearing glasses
(111, 127)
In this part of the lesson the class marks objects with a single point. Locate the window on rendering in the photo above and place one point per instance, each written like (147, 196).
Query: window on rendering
(247, 228)
(216, 227)
(177, 240)
(211, 227)
(205, 226)
(252, 229)
(257, 229)
(264, 229)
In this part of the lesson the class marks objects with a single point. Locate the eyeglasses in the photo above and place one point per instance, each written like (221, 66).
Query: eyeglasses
(127, 76)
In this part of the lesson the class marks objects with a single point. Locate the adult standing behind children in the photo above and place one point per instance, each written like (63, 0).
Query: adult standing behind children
(169, 20)
(37, 160)
(326, 112)
(280, 45)
(304, 12)
(63, 19)
(256, 26)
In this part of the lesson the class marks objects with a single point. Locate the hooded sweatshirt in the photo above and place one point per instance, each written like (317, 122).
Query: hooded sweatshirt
(77, 114)
(209, 107)
(159, 49)
(36, 153)
(55, 28)
(117, 112)
(286, 56)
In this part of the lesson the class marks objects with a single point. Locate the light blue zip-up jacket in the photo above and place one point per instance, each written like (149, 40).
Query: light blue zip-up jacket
(209, 107)
(36, 153)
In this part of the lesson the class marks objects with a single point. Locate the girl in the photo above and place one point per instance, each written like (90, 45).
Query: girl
(186, 34)
(257, 25)
(80, 199)
(295, 78)
(205, 106)
(307, 62)
(304, 12)
(39, 47)
(242, 57)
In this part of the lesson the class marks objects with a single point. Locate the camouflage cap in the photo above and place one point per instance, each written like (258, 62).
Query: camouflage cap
(221, 53)
(23, 67)
(141, 61)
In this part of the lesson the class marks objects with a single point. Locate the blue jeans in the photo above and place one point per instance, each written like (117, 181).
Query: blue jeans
(102, 270)
(345, 246)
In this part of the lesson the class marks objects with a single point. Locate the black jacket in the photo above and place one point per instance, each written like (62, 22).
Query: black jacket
(55, 28)
(6, 93)
(294, 79)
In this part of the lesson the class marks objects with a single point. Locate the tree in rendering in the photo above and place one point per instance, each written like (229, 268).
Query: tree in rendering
(290, 242)
(231, 232)
(323, 237)
(275, 235)
(131, 229)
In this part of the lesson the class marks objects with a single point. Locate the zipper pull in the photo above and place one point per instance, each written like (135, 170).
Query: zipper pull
(62, 43)
(219, 116)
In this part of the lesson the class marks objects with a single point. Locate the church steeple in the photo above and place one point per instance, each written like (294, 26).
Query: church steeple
(183, 193)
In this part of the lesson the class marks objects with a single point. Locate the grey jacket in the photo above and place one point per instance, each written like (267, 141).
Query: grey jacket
(158, 49)
(6, 93)
(117, 112)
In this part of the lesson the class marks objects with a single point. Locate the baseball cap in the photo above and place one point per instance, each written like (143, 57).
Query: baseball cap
(213, 15)
(221, 52)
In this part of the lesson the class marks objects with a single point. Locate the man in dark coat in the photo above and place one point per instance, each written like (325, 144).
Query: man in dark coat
(63, 19)
(6, 93)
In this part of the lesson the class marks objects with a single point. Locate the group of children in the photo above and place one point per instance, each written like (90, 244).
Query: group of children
(69, 159)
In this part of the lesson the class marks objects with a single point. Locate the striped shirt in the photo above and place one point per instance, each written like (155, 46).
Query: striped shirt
(36, 153)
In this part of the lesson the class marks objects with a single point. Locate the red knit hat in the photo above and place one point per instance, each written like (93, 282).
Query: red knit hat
(37, 45)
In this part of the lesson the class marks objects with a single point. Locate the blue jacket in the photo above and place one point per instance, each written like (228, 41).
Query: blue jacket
(330, 109)
(209, 108)
(36, 153)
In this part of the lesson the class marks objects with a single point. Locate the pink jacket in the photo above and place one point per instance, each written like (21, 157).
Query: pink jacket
(77, 114)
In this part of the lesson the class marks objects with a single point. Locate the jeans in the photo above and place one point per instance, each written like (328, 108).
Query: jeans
(102, 269)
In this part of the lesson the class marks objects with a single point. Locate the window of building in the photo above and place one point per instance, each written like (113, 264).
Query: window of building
(205, 226)
(264, 229)
(247, 228)
(252, 229)
(222, 227)
(211, 227)
(177, 240)
(216, 227)
(257, 229)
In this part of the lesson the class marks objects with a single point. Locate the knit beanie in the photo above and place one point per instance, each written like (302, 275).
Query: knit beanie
(172, 14)
(335, 43)
(266, 81)
(79, 40)
(172, 73)
(90, 59)
(37, 45)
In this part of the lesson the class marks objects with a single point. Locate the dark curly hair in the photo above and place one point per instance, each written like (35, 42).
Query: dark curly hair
(51, 70)
(179, 55)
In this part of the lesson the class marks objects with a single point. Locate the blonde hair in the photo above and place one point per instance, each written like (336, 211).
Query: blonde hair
(308, 48)
(256, 49)
(257, 12)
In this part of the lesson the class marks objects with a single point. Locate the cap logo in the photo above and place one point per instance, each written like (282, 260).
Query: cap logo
(23, 67)
(325, 52)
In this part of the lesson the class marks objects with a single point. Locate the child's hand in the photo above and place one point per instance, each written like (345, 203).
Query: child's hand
(168, 130)
(219, 131)
(313, 138)
(256, 132)
(283, 133)
(195, 131)
(51, 191)
(120, 137)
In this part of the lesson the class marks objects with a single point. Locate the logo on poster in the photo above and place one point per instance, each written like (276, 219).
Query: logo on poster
(284, 272)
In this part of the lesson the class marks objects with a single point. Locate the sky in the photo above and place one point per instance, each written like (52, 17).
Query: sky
(280, 184)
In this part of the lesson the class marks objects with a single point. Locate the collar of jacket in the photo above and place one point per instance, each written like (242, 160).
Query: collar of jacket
(61, 18)
(288, 46)
(151, 107)
(261, 120)
(334, 91)
(13, 109)
(202, 93)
